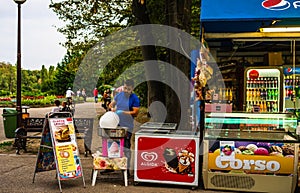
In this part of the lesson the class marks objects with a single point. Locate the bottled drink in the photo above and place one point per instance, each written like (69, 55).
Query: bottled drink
(293, 97)
(224, 95)
(254, 83)
(248, 82)
(254, 95)
(248, 94)
(287, 81)
(272, 94)
(265, 107)
(268, 107)
(258, 94)
(220, 95)
(276, 82)
(297, 81)
(269, 97)
(271, 82)
(261, 107)
(276, 94)
(275, 107)
(265, 83)
(230, 95)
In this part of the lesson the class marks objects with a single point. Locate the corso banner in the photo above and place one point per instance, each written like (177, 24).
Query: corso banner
(252, 164)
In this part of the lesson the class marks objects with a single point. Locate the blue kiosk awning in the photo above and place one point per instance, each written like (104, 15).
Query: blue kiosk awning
(247, 15)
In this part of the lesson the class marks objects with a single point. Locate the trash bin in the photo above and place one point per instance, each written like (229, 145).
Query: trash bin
(10, 122)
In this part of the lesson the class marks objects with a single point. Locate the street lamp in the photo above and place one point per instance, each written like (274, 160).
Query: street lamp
(19, 82)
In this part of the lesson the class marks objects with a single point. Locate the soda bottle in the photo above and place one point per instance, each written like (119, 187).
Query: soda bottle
(269, 97)
(264, 107)
(276, 82)
(272, 94)
(268, 107)
(261, 106)
(276, 94)
(297, 81)
(258, 94)
(248, 82)
(230, 95)
(275, 107)
(254, 95)
(271, 82)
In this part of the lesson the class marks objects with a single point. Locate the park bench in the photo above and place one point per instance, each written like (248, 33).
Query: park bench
(34, 125)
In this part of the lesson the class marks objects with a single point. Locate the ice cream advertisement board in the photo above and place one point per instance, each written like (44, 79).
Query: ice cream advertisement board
(65, 146)
(253, 157)
(166, 159)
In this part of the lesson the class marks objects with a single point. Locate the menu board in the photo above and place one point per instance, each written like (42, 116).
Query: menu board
(65, 148)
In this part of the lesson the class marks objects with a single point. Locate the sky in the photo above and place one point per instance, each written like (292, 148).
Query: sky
(39, 37)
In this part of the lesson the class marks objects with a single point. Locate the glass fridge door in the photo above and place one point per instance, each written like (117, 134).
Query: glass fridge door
(263, 89)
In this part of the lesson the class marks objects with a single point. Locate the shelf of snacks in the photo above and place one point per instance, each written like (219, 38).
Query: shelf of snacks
(251, 152)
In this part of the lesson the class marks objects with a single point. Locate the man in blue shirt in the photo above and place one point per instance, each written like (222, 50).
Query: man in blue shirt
(126, 104)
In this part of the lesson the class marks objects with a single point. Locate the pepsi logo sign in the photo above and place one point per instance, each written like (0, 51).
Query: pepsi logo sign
(279, 5)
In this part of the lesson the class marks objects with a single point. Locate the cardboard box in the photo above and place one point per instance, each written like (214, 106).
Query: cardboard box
(218, 107)
(273, 59)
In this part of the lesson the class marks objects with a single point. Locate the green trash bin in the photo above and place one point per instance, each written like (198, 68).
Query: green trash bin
(10, 122)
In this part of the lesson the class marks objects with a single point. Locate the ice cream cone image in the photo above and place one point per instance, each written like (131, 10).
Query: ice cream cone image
(182, 167)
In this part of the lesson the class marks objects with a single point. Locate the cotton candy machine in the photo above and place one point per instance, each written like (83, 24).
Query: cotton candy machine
(112, 135)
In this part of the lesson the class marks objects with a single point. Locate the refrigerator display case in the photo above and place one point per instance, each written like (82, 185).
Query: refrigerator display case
(263, 89)
(291, 92)
(165, 155)
(251, 152)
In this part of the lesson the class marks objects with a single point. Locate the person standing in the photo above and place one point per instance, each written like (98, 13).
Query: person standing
(83, 93)
(126, 104)
(78, 93)
(95, 92)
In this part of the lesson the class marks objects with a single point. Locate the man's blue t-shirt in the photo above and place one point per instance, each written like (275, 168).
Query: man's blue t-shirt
(126, 103)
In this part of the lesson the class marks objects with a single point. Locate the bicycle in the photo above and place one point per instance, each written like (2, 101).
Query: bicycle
(70, 106)
(71, 103)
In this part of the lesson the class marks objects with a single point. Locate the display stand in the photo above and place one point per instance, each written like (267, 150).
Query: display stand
(112, 156)
(241, 155)
(58, 148)
(105, 163)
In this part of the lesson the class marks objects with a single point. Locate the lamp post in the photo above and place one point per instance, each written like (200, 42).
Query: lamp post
(19, 96)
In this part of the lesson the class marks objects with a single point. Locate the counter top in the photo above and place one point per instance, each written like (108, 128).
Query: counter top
(236, 135)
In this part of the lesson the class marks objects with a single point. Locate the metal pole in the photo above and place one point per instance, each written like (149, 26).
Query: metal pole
(19, 105)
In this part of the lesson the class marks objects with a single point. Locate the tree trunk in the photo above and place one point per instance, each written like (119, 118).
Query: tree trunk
(155, 88)
(178, 13)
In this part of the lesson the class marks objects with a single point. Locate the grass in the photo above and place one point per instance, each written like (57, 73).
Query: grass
(6, 147)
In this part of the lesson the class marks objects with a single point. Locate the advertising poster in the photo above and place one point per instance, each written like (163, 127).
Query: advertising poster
(252, 157)
(166, 159)
(45, 158)
(227, 150)
(66, 149)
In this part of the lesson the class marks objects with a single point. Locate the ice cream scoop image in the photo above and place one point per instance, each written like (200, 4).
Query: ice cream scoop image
(114, 148)
(251, 147)
(261, 151)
